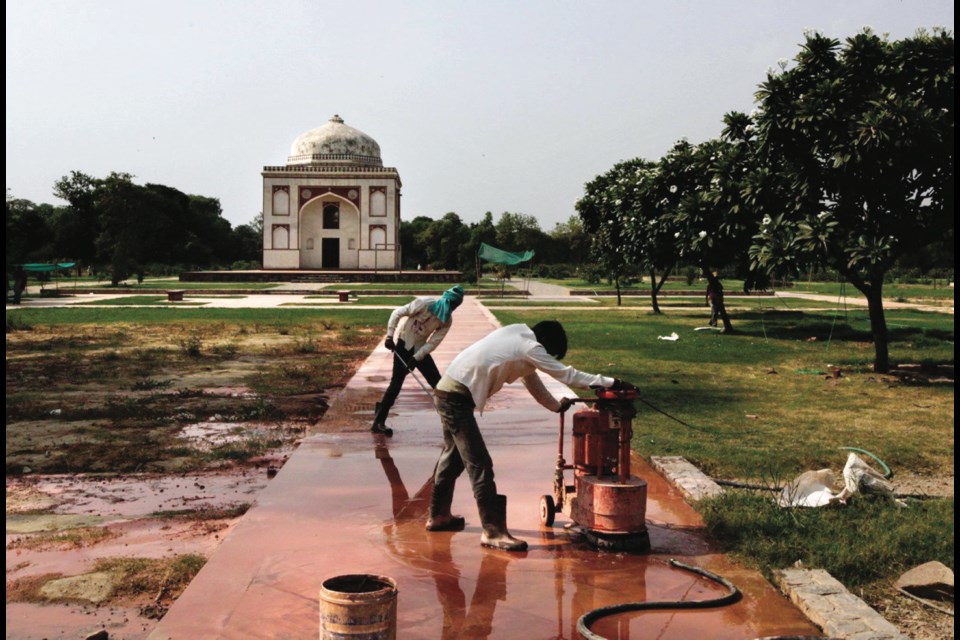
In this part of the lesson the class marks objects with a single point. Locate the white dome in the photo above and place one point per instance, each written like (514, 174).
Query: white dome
(335, 143)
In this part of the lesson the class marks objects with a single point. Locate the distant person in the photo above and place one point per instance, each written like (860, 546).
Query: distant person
(19, 284)
(427, 322)
(715, 300)
(514, 352)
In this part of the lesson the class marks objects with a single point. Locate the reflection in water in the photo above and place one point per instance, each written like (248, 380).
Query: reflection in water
(436, 557)
(584, 579)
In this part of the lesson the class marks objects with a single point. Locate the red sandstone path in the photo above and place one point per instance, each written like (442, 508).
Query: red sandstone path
(346, 502)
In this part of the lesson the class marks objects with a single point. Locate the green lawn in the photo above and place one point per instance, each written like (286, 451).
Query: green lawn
(166, 285)
(908, 291)
(164, 315)
(439, 287)
(135, 300)
(762, 409)
(715, 381)
(670, 285)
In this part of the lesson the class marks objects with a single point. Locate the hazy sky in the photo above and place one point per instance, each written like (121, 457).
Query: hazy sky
(481, 106)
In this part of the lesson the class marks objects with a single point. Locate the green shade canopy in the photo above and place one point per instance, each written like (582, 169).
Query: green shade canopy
(492, 254)
(40, 267)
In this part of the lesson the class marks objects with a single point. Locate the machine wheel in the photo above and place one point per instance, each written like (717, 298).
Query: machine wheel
(547, 510)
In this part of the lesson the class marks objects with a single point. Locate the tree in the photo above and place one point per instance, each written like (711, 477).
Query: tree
(602, 211)
(649, 227)
(76, 228)
(442, 241)
(413, 253)
(28, 234)
(481, 232)
(864, 134)
(571, 238)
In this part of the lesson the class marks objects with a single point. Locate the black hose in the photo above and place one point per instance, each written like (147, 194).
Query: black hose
(587, 619)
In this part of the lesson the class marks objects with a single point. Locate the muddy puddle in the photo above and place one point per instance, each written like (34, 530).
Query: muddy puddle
(63, 525)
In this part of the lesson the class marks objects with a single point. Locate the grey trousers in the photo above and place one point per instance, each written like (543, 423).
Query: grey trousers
(463, 449)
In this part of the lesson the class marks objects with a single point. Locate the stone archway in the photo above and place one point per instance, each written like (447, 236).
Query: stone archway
(326, 218)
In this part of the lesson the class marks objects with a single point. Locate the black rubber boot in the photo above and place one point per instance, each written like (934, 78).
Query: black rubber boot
(494, 519)
(379, 428)
(440, 517)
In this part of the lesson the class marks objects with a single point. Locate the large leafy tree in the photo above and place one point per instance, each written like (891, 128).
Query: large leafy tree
(77, 227)
(605, 217)
(649, 227)
(863, 132)
(715, 194)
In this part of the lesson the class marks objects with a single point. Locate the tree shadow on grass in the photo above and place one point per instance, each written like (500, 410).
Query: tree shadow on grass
(797, 325)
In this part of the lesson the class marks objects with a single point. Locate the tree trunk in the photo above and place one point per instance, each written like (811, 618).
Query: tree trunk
(616, 280)
(656, 286)
(878, 323)
(653, 292)
(878, 327)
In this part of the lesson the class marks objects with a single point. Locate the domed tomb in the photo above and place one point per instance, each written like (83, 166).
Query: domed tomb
(335, 143)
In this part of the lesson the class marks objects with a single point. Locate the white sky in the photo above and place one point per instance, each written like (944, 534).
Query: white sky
(499, 105)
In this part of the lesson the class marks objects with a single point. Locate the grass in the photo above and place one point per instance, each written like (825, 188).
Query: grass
(909, 291)
(862, 544)
(110, 390)
(162, 580)
(165, 315)
(670, 285)
(714, 382)
(686, 304)
(206, 513)
(135, 301)
(438, 287)
(394, 301)
(168, 284)
(70, 539)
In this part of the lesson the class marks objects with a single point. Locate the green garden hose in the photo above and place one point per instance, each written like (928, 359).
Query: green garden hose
(887, 473)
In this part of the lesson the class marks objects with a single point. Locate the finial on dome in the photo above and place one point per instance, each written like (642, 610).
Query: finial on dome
(336, 118)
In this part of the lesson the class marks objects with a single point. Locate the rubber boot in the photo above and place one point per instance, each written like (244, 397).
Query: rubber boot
(493, 516)
(440, 517)
(379, 427)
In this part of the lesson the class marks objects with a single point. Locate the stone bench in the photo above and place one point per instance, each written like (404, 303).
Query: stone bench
(175, 295)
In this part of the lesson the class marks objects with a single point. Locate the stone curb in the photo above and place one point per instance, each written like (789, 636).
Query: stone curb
(830, 606)
(694, 484)
(820, 596)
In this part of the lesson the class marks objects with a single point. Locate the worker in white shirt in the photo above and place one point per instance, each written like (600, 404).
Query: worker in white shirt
(508, 354)
(427, 322)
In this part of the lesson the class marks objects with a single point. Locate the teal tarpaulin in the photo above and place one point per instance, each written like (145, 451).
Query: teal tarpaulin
(492, 254)
(40, 267)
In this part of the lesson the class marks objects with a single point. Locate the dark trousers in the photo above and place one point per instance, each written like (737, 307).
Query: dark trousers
(463, 449)
(426, 366)
(714, 312)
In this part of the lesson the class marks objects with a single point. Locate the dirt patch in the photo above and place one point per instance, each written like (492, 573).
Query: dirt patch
(132, 450)
(915, 620)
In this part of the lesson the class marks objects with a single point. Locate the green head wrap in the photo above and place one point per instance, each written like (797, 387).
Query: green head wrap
(443, 306)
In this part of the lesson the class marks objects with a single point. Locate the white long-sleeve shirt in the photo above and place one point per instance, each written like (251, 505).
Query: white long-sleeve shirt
(422, 331)
(508, 354)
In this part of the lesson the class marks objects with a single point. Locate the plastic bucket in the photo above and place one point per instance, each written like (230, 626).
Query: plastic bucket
(358, 607)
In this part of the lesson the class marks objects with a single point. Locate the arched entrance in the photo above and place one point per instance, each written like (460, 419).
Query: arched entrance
(329, 233)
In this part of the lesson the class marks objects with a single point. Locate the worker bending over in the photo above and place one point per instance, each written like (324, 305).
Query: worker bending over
(508, 354)
(427, 324)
